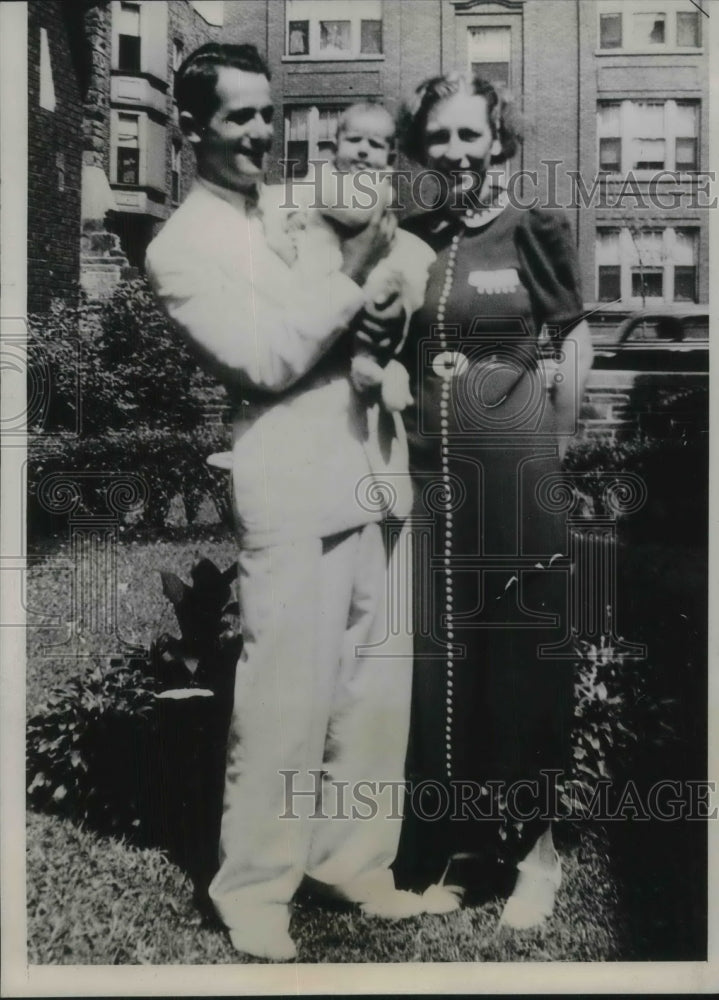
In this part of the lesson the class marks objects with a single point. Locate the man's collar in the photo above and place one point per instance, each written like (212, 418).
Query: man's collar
(242, 200)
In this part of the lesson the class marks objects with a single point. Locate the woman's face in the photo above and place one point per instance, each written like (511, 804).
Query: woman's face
(458, 140)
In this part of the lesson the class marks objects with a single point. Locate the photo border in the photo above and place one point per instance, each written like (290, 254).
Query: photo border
(19, 979)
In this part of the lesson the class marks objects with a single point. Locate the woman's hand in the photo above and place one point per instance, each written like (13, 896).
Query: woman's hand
(570, 377)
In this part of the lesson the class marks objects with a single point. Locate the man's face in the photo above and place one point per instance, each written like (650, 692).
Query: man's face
(232, 145)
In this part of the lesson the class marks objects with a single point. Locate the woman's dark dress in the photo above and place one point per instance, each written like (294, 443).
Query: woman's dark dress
(485, 706)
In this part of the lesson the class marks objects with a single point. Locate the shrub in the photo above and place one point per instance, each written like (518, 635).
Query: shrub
(116, 365)
(617, 711)
(675, 473)
(113, 388)
(170, 463)
(64, 737)
(137, 746)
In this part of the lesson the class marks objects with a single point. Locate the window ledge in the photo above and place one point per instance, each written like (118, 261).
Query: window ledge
(649, 52)
(153, 80)
(332, 59)
(653, 176)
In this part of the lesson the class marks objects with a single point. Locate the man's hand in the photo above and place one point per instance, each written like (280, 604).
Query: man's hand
(380, 324)
(362, 252)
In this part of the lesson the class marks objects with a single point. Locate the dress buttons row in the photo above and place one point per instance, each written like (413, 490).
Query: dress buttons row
(444, 451)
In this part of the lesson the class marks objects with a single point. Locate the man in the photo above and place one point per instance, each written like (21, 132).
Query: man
(322, 689)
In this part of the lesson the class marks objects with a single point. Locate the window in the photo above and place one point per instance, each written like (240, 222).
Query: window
(128, 29)
(685, 271)
(689, 29)
(609, 131)
(648, 150)
(686, 130)
(609, 286)
(60, 167)
(311, 133)
(371, 37)
(299, 38)
(489, 53)
(335, 38)
(647, 283)
(47, 87)
(610, 31)
(647, 136)
(343, 29)
(646, 258)
(175, 173)
(637, 265)
(648, 29)
(634, 26)
(178, 54)
(128, 149)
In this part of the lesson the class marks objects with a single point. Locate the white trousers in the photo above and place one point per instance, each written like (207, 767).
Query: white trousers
(322, 694)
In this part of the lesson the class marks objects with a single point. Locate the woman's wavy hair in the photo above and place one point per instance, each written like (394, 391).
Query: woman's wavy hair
(500, 110)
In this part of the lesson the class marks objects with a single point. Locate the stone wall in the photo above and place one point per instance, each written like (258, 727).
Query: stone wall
(103, 264)
(96, 118)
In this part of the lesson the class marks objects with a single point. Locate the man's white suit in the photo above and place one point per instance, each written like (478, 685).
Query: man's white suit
(324, 679)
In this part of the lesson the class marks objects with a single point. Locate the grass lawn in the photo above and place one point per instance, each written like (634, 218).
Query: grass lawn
(95, 900)
(98, 900)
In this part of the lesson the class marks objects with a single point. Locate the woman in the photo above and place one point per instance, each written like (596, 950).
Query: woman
(486, 431)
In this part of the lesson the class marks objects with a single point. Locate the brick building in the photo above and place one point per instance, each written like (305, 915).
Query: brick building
(106, 164)
(56, 80)
(614, 96)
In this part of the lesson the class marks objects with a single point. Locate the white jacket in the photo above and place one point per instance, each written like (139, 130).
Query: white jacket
(300, 463)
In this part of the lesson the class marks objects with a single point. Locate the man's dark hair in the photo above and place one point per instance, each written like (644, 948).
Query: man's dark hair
(196, 79)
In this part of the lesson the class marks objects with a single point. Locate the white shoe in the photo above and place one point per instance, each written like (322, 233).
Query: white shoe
(394, 904)
(441, 898)
(532, 899)
(266, 935)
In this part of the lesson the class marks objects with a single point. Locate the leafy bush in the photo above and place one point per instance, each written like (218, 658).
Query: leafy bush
(117, 389)
(675, 473)
(116, 365)
(616, 709)
(170, 463)
(64, 736)
(137, 746)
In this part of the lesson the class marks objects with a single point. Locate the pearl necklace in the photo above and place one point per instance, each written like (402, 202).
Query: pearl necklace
(446, 482)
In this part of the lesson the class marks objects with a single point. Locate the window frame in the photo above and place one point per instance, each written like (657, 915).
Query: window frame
(507, 30)
(315, 54)
(628, 136)
(628, 266)
(139, 117)
(625, 9)
(134, 6)
(46, 97)
(313, 140)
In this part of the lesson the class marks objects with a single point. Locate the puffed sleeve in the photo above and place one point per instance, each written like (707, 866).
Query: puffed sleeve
(550, 270)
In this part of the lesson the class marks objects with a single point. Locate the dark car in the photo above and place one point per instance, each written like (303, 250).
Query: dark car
(658, 340)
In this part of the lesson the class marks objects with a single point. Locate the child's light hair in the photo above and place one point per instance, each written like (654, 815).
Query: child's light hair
(368, 107)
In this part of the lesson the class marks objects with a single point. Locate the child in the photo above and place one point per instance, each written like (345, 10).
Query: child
(330, 205)
(305, 223)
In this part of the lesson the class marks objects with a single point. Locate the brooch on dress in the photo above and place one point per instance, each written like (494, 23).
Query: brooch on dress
(504, 280)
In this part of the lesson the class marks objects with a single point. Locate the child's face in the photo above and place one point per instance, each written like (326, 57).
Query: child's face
(365, 143)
